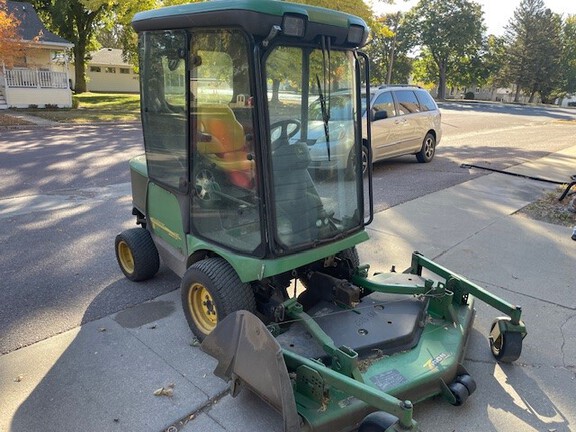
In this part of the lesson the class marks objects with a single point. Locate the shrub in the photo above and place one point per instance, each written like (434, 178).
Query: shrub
(51, 106)
(469, 95)
(33, 106)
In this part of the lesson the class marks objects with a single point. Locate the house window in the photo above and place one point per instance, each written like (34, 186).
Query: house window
(124, 70)
(95, 69)
(110, 70)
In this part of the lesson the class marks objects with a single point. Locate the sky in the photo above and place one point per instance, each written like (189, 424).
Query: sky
(497, 13)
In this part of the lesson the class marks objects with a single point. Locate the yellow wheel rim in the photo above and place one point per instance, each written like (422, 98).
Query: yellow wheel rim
(202, 308)
(125, 257)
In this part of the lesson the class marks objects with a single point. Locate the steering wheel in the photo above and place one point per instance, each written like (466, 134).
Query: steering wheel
(284, 125)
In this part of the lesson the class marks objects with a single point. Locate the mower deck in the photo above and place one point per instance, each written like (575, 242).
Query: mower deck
(328, 368)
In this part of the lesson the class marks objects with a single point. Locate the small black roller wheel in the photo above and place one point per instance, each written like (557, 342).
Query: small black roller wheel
(136, 254)
(378, 421)
(506, 346)
(468, 382)
(210, 291)
(460, 393)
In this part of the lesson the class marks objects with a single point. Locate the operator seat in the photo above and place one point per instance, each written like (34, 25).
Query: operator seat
(226, 145)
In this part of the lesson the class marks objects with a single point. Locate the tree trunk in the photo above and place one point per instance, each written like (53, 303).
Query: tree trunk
(517, 94)
(79, 69)
(275, 90)
(442, 81)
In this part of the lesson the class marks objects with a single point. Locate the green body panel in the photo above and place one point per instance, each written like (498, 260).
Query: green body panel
(163, 214)
(251, 269)
(139, 182)
(138, 164)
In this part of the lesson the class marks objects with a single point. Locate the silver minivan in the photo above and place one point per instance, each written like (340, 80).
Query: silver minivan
(405, 120)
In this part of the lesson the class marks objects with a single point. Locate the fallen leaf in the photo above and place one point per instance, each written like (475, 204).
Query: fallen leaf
(19, 378)
(165, 391)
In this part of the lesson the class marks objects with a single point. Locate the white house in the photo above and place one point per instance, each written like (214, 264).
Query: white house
(107, 72)
(40, 76)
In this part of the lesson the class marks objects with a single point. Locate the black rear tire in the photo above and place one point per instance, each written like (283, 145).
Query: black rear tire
(428, 150)
(136, 254)
(211, 290)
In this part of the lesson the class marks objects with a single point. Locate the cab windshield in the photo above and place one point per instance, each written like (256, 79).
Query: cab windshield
(314, 144)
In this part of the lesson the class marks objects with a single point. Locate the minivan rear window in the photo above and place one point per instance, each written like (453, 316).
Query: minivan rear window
(426, 101)
(407, 102)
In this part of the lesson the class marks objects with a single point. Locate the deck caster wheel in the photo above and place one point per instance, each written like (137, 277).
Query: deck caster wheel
(378, 421)
(468, 382)
(506, 346)
(136, 254)
(460, 393)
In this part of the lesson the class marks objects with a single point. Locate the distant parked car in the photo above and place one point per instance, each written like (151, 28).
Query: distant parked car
(405, 120)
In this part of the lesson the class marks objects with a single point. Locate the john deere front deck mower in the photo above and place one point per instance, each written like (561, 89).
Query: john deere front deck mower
(235, 98)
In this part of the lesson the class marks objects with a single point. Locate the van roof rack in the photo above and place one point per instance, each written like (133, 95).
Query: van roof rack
(383, 86)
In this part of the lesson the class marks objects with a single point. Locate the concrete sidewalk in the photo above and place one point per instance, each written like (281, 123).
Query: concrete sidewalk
(102, 376)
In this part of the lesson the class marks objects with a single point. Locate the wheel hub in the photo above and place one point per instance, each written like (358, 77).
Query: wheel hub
(125, 256)
(202, 308)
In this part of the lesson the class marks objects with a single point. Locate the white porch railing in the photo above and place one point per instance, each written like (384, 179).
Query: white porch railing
(33, 78)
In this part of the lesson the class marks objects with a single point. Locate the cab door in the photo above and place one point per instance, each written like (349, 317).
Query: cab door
(165, 125)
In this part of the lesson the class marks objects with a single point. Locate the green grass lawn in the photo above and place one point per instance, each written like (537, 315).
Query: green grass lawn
(94, 107)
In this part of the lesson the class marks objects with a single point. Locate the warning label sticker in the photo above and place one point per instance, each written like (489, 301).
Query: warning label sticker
(388, 380)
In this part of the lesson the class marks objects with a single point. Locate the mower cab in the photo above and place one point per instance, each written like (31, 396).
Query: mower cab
(251, 189)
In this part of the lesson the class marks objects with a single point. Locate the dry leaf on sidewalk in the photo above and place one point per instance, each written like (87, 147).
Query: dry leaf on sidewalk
(165, 391)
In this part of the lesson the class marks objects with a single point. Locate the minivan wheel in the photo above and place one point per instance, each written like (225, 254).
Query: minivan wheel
(352, 163)
(426, 154)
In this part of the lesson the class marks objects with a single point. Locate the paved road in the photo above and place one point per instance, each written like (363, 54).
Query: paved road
(65, 194)
(493, 135)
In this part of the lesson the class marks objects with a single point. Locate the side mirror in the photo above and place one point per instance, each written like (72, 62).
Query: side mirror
(379, 115)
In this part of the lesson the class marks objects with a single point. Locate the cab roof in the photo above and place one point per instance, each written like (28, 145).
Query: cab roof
(256, 17)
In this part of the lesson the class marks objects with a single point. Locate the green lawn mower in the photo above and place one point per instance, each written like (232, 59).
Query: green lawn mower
(252, 190)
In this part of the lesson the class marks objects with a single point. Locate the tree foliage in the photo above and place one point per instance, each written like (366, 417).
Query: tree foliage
(449, 30)
(10, 40)
(534, 39)
(568, 59)
(389, 61)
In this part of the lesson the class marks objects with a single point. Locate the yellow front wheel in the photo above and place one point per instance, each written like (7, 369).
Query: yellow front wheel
(210, 290)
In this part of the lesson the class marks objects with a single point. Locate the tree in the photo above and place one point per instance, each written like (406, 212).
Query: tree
(534, 39)
(79, 22)
(10, 40)
(388, 56)
(448, 29)
(568, 59)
